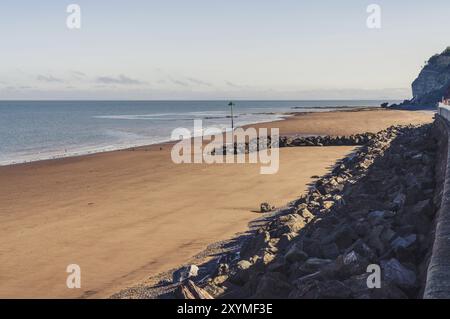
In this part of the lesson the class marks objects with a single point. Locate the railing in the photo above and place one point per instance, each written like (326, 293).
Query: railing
(444, 111)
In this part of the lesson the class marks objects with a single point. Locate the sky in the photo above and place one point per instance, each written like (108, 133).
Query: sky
(217, 49)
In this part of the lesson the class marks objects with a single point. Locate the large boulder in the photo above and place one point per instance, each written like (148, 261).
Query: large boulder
(272, 286)
(295, 254)
(255, 244)
(394, 272)
(315, 289)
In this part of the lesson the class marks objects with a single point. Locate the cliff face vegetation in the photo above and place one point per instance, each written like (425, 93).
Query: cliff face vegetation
(433, 81)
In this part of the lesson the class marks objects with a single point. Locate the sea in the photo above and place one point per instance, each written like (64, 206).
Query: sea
(39, 130)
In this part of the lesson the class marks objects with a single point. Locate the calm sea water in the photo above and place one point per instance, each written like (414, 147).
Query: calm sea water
(35, 130)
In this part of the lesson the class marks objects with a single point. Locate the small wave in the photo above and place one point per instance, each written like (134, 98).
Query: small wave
(160, 118)
(134, 117)
(122, 135)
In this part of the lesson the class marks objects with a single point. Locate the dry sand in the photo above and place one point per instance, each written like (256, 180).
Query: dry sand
(347, 122)
(126, 215)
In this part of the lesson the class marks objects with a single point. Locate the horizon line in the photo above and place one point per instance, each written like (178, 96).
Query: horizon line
(193, 100)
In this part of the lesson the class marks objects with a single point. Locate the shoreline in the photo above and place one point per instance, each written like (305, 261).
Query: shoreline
(95, 150)
(282, 117)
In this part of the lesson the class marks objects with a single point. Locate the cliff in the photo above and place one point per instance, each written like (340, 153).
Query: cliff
(433, 81)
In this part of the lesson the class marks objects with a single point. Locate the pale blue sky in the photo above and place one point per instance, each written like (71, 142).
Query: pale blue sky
(216, 49)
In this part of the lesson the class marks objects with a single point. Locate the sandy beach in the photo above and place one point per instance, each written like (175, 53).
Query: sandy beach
(126, 215)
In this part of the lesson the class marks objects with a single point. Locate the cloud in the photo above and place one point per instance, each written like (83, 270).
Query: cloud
(78, 74)
(198, 82)
(179, 82)
(232, 84)
(189, 81)
(18, 87)
(49, 79)
(121, 80)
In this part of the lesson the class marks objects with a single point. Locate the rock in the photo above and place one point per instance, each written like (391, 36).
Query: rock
(313, 204)
(314, 289)
(343, 237)
(424, 207)
(399, 200)
(396, 160)
(285, 241)
(302, 280)
(328, 204)
(338, 169)
(405, 230)
(357, 285)
(268, 257)
(413, 194)
(414, 215)
(254, 245)
(308, 290)
(362, 250)
(418, 157)
(387, 235)
(374, 239)
(350, 258)
(404, 248)
(272, 286)
(381, 214)
(255, 258)
(427, 160)
(185, 273)
(266, 208)
(220, 279)
(191, 291)
(351, 264)
(339, 200)
(365, 164)
(410, 179)
(272, 245)
(215, 290)
(314, 264)
(278, 265)
(362, 228)
(404, 242)
(295, 254)
(306, 215)
(292, 223)
(311, 247)
(182, 292)
(222, 269)
(330, 251)
(242, 274)
(395, 272)
(243, 265)
(375, 221)
(334, 289)
(388, 291)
